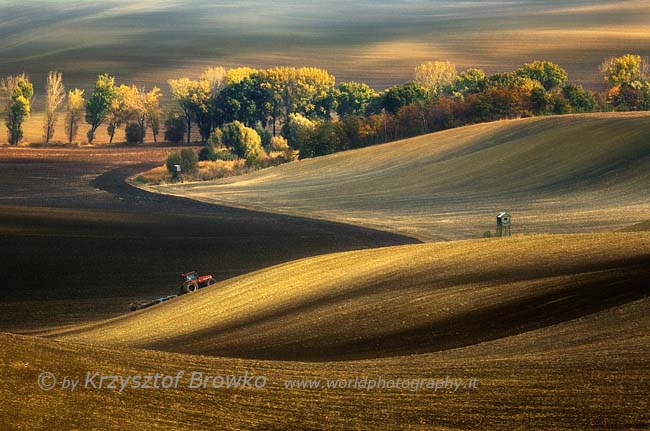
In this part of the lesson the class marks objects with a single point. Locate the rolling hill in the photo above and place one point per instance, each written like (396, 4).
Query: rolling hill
(392, 301)
(562, 377)
(555, 329)
(562, 174)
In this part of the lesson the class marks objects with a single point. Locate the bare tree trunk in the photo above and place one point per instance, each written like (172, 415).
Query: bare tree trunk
(141, 123)
(54, 96)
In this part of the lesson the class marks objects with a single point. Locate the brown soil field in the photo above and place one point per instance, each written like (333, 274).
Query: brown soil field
(392, 301)
(586, 372)
(80, 244)
(553, 328)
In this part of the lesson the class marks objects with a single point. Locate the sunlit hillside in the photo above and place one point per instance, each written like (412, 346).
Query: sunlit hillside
(392, 301)
(541, 321)
(575, 173)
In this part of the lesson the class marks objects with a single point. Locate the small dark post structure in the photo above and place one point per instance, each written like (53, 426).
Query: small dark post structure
(177, 172)
(503, 224)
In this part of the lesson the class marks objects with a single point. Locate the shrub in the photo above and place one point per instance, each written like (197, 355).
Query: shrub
(266, 137)
(289, 154)
(220, 169)
(278, 143)
(134, 133)
(207, 153)
(155, 176)
(186, 158)
(173, 159)
(189, 161)
(225, 155)
(297, 130)
(233, 137)
(174, 128)
(243, 142)
(216, 138)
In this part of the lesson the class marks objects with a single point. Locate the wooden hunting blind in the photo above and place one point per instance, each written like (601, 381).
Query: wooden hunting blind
(503, 224)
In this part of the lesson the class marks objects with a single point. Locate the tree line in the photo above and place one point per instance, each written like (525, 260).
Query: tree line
(315, 115)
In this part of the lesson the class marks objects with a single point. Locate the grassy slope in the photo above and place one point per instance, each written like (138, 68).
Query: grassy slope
(576, 173)
(392, 301)
(564, 376)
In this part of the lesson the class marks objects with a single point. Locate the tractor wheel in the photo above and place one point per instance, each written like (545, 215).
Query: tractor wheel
(210, 282)
(190, 287)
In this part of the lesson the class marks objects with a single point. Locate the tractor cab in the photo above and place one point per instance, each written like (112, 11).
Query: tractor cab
(190, 276)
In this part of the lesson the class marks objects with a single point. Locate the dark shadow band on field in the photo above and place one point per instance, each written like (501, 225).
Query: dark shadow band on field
(108, 240)
(591, 292)
(115, 182)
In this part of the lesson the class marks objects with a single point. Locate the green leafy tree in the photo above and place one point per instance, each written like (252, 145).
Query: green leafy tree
(193, 99)
(266, 137)
(540, 101)
(470, 81)
(245, 101)
(503, 80)
(353, 98)
(327, 138)
(214, 142)
(579, 99)
(17, 92)
(123, 108)
(401, 95)
(99, 103)
(549, 74)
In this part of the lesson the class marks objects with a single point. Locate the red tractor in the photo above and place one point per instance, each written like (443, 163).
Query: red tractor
(193, 282)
